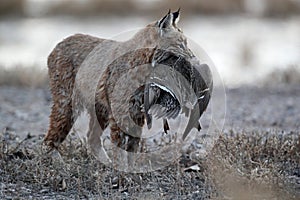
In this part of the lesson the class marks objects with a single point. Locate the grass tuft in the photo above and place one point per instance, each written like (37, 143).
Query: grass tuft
(257, 166)
(24, 76)
(240, 166)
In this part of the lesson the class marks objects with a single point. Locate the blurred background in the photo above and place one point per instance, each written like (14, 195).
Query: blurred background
(249, 41)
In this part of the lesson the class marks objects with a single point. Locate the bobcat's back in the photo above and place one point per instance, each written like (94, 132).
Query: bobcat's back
(67, 56)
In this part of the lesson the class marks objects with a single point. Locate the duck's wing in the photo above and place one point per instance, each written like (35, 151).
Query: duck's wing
(159, 102)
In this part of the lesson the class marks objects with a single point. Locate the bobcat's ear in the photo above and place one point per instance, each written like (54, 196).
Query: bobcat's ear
(176, 17)
(166, 21)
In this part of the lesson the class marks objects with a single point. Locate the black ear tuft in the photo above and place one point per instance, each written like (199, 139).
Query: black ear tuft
(166, 21)
(176, 16)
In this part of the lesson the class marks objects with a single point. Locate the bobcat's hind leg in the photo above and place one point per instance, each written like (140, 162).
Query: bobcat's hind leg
(61, 123)
(61, 74)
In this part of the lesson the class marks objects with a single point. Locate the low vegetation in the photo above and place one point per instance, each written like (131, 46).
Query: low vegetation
(240, 166)
(23, 77)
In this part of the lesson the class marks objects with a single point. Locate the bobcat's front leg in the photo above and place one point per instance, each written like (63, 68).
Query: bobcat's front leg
(94, 138)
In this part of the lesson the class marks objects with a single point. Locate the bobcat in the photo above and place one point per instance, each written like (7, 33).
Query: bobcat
(84, 71)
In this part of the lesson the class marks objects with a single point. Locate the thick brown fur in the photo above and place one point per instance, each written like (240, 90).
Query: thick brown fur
(67, 82)
(63, 64)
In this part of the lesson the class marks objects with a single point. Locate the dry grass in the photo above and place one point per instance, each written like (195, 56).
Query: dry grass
(126, 7)
(25, 169)
(289, 75)
(240, 166)
(132, 7)
(281, 7)
(12, 7)
(24, 76)
(257, 166)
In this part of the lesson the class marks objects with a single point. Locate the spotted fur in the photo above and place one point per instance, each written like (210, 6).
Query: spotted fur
(160, 42)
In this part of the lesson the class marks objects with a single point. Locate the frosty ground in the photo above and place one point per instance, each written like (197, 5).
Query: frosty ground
(256, 156)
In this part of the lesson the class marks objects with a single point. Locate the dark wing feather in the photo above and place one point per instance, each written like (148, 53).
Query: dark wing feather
(159, 103)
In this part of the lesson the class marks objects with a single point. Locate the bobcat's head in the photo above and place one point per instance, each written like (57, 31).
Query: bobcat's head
(170, 89)
(165, 35)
